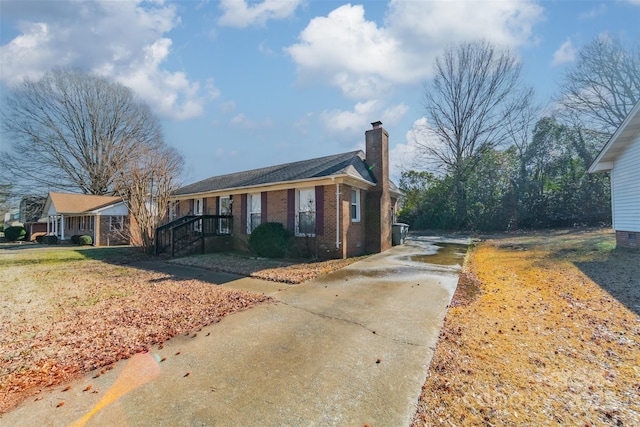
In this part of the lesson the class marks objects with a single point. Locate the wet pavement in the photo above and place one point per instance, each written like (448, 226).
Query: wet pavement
(349, 348)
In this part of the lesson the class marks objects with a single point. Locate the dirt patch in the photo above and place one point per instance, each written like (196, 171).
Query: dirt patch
(543, 330)
(63, 314)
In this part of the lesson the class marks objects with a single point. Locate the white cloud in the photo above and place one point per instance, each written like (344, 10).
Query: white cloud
(345, 124)
(242, 121)
(228, 106)
(409, 155)
(120, 40)
(565, 53)
(364, 59)
(239, 14)
(596, 11)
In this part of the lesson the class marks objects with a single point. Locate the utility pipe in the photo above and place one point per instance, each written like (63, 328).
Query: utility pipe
(337, 215)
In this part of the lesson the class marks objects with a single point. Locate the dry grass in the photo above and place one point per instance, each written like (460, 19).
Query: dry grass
(543, 330)
(64, 313)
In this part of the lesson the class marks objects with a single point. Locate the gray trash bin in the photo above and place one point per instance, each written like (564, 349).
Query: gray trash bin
(399, 233)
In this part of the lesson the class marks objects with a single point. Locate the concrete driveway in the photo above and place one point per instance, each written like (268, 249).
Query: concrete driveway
(348, 349)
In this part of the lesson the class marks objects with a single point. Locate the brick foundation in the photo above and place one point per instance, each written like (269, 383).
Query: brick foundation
(628, 239)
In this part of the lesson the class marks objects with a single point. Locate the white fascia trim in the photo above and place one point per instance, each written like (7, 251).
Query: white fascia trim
(258, 188)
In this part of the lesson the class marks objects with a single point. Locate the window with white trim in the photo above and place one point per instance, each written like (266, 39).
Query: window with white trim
(86, 223)
(254, 214)
(224, 224)
(116, 223)
(172, 210)
(355, 205)
(306, 212)
(198, 208)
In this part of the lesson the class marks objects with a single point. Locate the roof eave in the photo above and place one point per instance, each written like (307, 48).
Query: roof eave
(602, 161)
(292, 183)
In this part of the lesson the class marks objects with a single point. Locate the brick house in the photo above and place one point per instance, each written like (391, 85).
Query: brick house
(621, 157)
(106, 219)
(336, 206)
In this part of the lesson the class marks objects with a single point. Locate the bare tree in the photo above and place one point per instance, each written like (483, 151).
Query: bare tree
(602, 87)
(477, 88)
(74, 131)
(145, 184)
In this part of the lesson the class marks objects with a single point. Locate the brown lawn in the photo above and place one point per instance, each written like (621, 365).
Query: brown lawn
(65, 311)
(543, 330)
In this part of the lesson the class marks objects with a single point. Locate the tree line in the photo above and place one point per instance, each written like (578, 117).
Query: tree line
(491, 158)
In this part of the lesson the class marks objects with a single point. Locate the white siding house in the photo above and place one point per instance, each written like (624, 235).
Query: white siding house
(621, 157)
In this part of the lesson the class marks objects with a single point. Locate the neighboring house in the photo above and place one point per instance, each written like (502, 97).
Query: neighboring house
(621, 157)
(105, 219)
(335, 206)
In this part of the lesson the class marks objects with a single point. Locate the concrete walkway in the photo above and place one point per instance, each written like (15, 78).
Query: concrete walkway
(347, 349)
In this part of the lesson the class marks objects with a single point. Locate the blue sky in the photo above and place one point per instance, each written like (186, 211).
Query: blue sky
(239, 85)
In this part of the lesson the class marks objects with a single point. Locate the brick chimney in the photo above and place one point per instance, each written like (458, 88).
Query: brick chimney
(378, 200)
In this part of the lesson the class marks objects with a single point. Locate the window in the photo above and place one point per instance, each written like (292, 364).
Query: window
(86, 223)
(172, 210)
(224, 224)
(306, 208)
(198, 207)
(254, 214)
(116, 223)
(355, 205)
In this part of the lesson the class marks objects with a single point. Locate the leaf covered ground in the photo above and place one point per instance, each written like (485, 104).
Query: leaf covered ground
(63, 313)
(284, 271)
(543, 330)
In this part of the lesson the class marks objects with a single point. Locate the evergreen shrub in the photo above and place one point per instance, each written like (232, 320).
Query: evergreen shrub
(270, 240)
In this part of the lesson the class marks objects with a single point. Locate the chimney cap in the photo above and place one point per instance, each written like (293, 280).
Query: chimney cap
(377, 124)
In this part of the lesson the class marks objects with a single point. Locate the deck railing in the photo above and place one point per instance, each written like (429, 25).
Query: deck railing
(189, 232)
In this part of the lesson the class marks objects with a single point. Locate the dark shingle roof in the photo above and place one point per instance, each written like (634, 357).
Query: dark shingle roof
(351, 163)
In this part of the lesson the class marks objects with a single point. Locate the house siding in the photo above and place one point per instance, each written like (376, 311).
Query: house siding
(625, 188)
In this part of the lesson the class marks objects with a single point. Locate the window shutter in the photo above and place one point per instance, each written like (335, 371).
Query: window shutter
(191, 208)
(319, 210)
(263, 207)
(243, 212)
(291, 210)
(216, 200)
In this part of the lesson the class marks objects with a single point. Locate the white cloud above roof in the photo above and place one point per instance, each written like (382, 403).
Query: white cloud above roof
(362, 58)
(120, 40)
(240, 14)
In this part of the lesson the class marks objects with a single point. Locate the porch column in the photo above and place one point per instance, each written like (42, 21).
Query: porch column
(62, 227)
(96, 231)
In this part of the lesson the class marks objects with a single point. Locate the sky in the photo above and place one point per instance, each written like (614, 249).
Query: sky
(239, 85)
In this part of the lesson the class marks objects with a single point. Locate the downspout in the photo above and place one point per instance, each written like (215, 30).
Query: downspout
(337, 216)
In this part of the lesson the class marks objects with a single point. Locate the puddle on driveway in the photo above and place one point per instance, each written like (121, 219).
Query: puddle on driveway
(448, 254)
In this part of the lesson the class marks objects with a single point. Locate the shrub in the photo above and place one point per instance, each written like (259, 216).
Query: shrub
(75, 239)
(85, 240)
(40, 238)
(270, 240)
(15, 233)
(50, 240)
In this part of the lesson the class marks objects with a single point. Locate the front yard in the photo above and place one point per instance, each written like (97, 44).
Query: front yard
(65, 311)
(543, 330)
